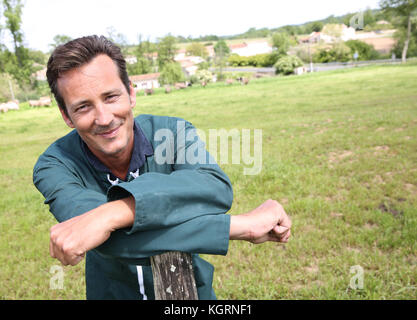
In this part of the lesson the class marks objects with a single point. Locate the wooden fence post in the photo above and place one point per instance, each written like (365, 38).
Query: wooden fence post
(173, 276)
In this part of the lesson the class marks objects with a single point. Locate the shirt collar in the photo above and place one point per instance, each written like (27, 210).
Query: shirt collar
(141, 149)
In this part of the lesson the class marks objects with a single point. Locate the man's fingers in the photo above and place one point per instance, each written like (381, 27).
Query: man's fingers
(282, 233)
(285, 220)
(76, 260)
(51, 249)
(280, 230)
(286, 237)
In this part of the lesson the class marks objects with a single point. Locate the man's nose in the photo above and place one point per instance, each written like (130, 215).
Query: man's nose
(104, 116)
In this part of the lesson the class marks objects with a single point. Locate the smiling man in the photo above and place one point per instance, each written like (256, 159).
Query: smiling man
(115, 204)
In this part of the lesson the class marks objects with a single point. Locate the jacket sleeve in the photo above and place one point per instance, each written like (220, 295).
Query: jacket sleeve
(64, 191)
(205, 235)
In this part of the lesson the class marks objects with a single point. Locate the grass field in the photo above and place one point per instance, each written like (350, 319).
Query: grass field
(339, 152)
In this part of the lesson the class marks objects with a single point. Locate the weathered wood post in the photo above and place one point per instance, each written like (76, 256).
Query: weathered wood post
(173, 276)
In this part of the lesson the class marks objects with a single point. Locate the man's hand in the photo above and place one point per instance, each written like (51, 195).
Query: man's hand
(268, 222)
(70, 240)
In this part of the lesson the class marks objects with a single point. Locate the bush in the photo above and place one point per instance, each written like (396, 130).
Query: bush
(264, 59)
(338, 52)
(237, 61)
(203, 76)
(286, 65)
(258, 60)
(365, 51)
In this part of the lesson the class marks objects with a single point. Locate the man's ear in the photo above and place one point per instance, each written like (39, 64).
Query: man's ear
(66, 118)
(132, 95)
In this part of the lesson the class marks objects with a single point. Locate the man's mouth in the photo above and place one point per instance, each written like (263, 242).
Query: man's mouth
(110, 133)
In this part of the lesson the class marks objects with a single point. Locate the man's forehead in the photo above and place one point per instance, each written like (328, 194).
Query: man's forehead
(101, 74)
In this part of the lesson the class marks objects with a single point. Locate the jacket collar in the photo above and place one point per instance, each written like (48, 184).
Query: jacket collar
(141, 149)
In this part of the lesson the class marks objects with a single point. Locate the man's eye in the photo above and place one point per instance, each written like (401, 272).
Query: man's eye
(80, 108)
(112, 97)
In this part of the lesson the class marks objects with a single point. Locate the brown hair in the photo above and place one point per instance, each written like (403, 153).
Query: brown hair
(78, 52)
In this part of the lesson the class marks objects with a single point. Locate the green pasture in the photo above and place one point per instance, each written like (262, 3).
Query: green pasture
(339, 152)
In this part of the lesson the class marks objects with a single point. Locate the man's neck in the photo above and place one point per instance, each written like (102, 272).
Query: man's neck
(119, 163)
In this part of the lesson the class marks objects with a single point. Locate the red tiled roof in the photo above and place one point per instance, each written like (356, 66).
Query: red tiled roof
(238, 45)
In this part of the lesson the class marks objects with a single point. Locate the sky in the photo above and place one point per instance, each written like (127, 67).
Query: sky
(43, 19)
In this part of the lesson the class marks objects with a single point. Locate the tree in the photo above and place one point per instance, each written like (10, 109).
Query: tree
(333, 29)
(221, 48)
(13, 14)
(221, 51)
(18, 64)
(316, 26)
(58, 40)
(171, 73)
(166, 48)
(141, 66)
(281, 42)
(404, 9)
(144, 61)
(400, 37)
(197, 49)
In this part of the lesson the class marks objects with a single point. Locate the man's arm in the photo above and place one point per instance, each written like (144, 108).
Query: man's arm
(163, 203)
(71, 239)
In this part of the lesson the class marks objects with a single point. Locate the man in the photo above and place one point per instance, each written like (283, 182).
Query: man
(115, 202)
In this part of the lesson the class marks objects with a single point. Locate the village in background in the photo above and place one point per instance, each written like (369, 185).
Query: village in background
(176, 62)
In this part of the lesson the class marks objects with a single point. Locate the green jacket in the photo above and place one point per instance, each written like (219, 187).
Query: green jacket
(180, 206)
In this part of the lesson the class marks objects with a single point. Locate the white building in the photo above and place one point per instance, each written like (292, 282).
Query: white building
(189, 64)
(348, 33)
(251, 48)
(145, 81)
(131, 59)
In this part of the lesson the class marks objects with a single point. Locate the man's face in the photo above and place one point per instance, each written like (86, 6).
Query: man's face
(99, 107)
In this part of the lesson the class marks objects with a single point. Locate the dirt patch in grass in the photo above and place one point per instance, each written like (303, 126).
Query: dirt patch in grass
(379, 150)
(312, 268)
(336, 214)
(378, 180)
(336, 157)
(389, 208)
(352, 249)
(370, 226)
(411, 188)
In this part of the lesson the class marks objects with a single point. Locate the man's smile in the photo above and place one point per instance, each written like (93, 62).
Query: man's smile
(105, 133)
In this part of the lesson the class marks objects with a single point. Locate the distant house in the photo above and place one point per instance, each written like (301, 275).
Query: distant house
(380, 22)
(180, 54)
(151, 56)
(346, 33)
(250, 49)
(131, 59)
(317, 37)
(40, 75)
(145, 81)
(188, 67)
(210, 50)
(189, 64)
